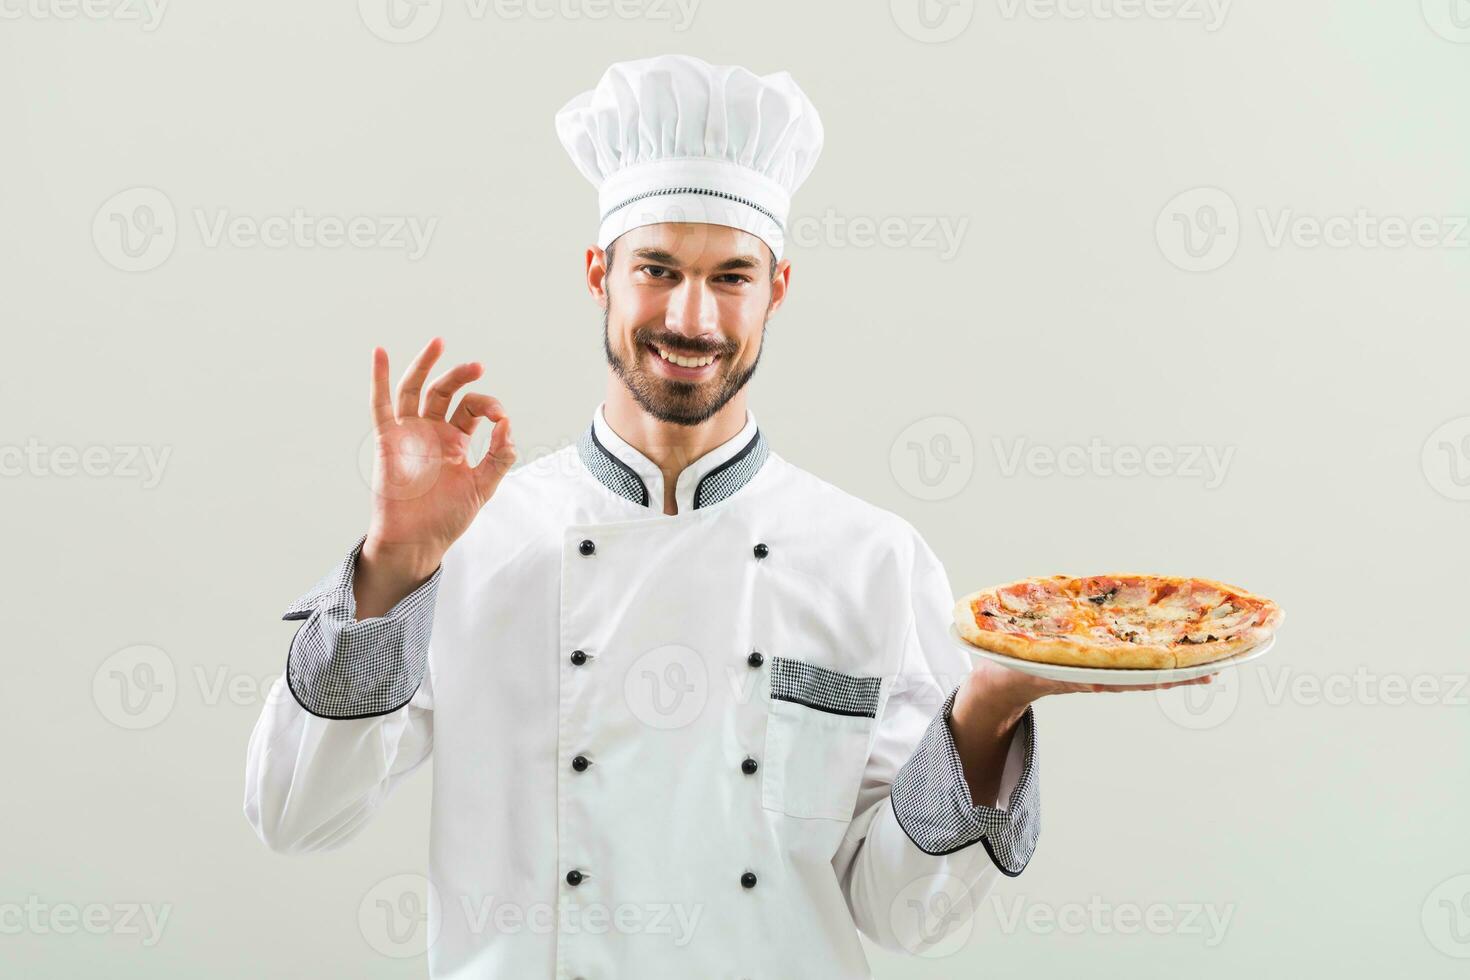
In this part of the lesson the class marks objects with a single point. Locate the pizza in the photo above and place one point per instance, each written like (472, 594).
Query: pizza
(1123, 621)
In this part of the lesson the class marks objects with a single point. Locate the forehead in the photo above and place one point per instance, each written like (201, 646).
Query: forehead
(694, 245)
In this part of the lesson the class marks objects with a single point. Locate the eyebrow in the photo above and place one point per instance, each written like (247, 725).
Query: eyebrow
(665, 258)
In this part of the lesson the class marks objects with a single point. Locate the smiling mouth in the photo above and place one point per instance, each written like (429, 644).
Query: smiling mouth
(681, 365)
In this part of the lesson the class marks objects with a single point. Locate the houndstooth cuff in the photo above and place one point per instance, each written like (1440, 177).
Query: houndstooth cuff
(343, 668)
(932, 800)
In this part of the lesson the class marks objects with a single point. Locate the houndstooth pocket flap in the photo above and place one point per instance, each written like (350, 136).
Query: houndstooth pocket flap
(824, 689)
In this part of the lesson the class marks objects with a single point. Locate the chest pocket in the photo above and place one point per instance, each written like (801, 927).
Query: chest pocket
(816, 739)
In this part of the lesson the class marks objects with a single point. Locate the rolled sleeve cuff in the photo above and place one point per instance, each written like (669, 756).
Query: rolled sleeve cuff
(931, 799)
(343, 668)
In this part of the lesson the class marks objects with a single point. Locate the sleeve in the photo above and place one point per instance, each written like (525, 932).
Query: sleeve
(351, 716)
(909, 865)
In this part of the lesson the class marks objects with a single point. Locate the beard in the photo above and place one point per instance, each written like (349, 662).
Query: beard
(668, 399)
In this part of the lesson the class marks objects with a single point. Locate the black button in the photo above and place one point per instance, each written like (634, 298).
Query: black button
(755, 659)
(578, 658)
(749, 766)
(760, 551)
(586, 547)
(574, 877)
(580, 763)
(747, 880)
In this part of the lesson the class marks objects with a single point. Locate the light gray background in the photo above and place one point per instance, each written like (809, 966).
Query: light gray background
(1324, 819)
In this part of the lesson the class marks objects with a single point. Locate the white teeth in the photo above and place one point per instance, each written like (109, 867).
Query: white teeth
(689, 362)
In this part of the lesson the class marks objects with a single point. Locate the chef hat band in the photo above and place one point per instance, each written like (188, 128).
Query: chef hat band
(674, 139)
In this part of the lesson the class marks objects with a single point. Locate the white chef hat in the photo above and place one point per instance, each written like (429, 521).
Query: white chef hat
(673, 138)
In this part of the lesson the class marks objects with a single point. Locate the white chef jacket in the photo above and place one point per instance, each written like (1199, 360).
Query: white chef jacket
(736, 714)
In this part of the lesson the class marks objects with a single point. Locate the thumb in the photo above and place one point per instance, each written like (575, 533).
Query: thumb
(499, 458)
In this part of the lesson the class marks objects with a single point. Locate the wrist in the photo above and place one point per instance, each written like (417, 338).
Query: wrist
(402, 561)
(991, 702)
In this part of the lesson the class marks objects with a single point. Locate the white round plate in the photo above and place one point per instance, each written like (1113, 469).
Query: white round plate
(1113, 676)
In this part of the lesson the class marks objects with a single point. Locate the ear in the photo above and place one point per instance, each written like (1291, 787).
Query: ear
(597, 275)
(779, 286)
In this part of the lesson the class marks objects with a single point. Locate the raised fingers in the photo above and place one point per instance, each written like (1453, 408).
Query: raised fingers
(381, 403)
(441, 392)
(413, 379)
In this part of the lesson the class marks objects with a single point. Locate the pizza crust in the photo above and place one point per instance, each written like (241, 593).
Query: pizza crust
(1079, 652)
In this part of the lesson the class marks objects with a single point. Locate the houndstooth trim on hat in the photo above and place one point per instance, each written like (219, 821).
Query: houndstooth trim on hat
(340, 667)
(932, 800)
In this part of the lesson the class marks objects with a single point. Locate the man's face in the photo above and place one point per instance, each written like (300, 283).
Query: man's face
(700, 293)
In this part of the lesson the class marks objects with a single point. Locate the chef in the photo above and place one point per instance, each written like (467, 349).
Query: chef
(692, 711)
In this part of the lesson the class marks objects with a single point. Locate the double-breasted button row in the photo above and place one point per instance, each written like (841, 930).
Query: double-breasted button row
(587, 547)
(579, 658)
(749, 766)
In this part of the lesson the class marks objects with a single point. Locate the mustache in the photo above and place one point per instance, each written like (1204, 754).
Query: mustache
(682, 345)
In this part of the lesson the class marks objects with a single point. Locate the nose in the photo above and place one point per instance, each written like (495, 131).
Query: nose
(692, 309)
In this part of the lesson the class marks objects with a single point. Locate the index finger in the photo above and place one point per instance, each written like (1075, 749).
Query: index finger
(382, 405)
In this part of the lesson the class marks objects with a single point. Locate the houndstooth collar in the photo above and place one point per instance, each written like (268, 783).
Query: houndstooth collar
(713, 477)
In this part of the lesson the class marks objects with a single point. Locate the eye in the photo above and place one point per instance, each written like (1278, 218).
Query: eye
(652, 271)
(735, 276)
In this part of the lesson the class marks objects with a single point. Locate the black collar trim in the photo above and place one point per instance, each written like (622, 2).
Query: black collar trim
(718, 484)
